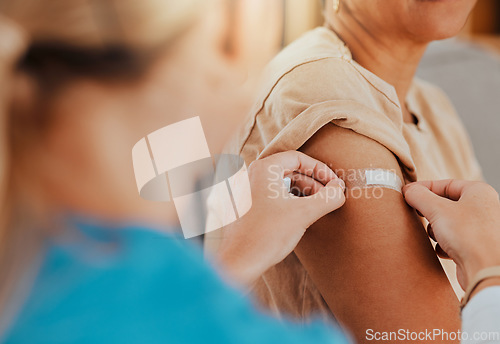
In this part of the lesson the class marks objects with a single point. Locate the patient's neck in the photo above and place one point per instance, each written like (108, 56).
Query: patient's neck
(393, 59)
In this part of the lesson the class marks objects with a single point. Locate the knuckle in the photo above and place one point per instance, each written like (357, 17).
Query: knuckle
(492, 191)
(486, 190)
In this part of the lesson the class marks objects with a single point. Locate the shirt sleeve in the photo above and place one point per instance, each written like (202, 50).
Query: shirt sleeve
(481, 318)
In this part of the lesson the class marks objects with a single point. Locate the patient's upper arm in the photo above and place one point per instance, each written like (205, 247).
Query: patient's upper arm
(371, 260)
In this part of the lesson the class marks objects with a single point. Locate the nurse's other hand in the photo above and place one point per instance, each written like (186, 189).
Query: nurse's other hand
(273, 227)
(464, 219)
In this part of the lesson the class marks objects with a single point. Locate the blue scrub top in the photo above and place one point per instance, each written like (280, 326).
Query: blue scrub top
(134, 285)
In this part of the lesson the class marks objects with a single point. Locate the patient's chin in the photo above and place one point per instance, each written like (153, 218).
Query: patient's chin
(436, 30)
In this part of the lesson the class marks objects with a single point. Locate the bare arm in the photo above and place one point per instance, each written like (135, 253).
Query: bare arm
(372, 260)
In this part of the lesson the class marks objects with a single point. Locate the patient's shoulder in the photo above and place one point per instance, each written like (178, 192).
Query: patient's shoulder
(318, 68)
(330, 90)
(311, 83)
(329, 80)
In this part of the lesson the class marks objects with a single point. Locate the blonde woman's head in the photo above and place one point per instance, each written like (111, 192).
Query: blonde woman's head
(88, 79)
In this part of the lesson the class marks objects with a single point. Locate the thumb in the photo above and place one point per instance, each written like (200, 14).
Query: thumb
(329, 198)
(423, 200)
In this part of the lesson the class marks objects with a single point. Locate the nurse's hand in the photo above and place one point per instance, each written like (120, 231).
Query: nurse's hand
(464, 218)
(277, 220)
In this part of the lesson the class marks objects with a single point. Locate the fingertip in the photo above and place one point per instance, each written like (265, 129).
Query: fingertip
(336, 195)
(413, 193)
(408, 186)
(412, 187)
(342, 200)
(330, 198)
(336, 183)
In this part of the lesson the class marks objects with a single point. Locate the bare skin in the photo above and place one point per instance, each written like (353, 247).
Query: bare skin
(372, 260)
(387, 279)
(277, 220)
(464, 219)
(389, 37)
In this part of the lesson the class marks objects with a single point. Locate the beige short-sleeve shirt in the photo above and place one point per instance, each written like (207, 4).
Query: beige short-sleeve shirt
(315, 81)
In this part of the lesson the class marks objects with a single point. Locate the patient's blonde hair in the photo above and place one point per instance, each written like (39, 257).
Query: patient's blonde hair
(54, 41)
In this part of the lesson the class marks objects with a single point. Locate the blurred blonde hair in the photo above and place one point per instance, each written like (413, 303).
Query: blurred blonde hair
(95, 23)
(82, 26)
